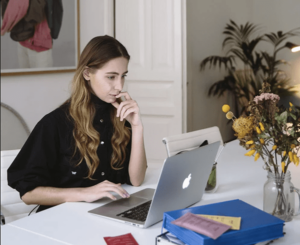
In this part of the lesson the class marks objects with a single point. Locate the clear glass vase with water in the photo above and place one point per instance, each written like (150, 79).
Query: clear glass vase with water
(279, 196)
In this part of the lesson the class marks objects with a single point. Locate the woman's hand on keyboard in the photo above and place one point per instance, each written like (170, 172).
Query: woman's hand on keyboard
(103, 189)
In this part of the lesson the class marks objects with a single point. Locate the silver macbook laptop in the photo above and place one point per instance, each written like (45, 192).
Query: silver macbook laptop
(181, 184)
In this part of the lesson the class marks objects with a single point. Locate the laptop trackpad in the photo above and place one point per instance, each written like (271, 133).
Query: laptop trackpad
(131, 201)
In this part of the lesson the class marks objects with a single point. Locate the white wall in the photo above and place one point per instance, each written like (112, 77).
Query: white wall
(206, 20)
(33, 96)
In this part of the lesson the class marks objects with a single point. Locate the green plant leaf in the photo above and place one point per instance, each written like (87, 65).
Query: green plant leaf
(282, 118)
(292, 115)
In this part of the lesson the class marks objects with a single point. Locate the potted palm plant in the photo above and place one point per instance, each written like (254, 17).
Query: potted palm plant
(257, 66)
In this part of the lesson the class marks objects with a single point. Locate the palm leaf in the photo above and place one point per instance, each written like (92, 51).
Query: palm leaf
(239, 54)
(220, 87)
(214, 61)
(279, 37)
(236, 35)
(234, 39)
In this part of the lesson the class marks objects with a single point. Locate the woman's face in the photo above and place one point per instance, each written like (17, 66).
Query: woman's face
(108, 81)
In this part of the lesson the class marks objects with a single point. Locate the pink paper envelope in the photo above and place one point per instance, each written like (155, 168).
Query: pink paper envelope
(201, 225)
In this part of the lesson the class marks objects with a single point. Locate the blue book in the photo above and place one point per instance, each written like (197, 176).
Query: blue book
(256, 225)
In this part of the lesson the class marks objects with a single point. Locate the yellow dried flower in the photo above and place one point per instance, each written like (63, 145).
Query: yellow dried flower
(261, 126)
(229, 115)
(258, 130)
(250, 142)
(250, 153)
(283, 153)
(290, 109)
(252, 146)
(274, 147)
(225, 108)
(291, 104)
(293, 146)
(243, 126)
(291, 157)
(283, 166)
(257, 155)
(262, 141)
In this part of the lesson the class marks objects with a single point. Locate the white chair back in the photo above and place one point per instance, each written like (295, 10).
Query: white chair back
(191, 140)
(12, 206)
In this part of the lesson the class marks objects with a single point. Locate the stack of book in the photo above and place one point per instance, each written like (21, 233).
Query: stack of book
(256, 225)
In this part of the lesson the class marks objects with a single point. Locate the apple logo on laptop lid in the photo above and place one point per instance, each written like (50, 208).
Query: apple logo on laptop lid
(186, 182)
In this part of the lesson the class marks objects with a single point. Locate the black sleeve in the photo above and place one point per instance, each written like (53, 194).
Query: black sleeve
(128, 148)
(36, 160)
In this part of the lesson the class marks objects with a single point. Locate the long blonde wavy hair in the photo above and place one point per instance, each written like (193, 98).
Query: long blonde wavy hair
(98, 52)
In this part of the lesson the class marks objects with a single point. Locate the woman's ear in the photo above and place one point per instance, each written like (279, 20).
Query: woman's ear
(86, 73)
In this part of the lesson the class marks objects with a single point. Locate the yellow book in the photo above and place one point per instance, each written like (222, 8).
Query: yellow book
(234, 222)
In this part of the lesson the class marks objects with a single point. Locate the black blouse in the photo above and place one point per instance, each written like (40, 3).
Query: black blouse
(46, 159)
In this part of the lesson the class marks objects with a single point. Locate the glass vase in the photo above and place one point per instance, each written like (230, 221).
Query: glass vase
(279, 196)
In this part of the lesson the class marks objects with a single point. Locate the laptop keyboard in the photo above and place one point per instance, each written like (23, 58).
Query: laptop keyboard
(137, 213)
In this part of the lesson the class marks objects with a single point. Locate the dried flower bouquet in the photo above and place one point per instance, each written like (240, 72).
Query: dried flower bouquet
(272, 133)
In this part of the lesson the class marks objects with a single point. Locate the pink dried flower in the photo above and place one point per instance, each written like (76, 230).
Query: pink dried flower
(266, 96)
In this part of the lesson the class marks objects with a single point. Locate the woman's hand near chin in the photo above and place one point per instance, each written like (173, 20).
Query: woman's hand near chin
(128, 109)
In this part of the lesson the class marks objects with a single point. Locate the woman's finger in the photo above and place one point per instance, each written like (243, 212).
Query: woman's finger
(112, 186)
(122, 104)
(125, 94)
(131, 110)
(117, 190)
(109, 195)
(125, 109)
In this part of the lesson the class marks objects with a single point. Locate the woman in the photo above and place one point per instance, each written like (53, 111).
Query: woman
(85, 149)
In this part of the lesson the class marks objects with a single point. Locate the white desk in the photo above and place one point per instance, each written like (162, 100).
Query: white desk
(239, 177)
(15, 235)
